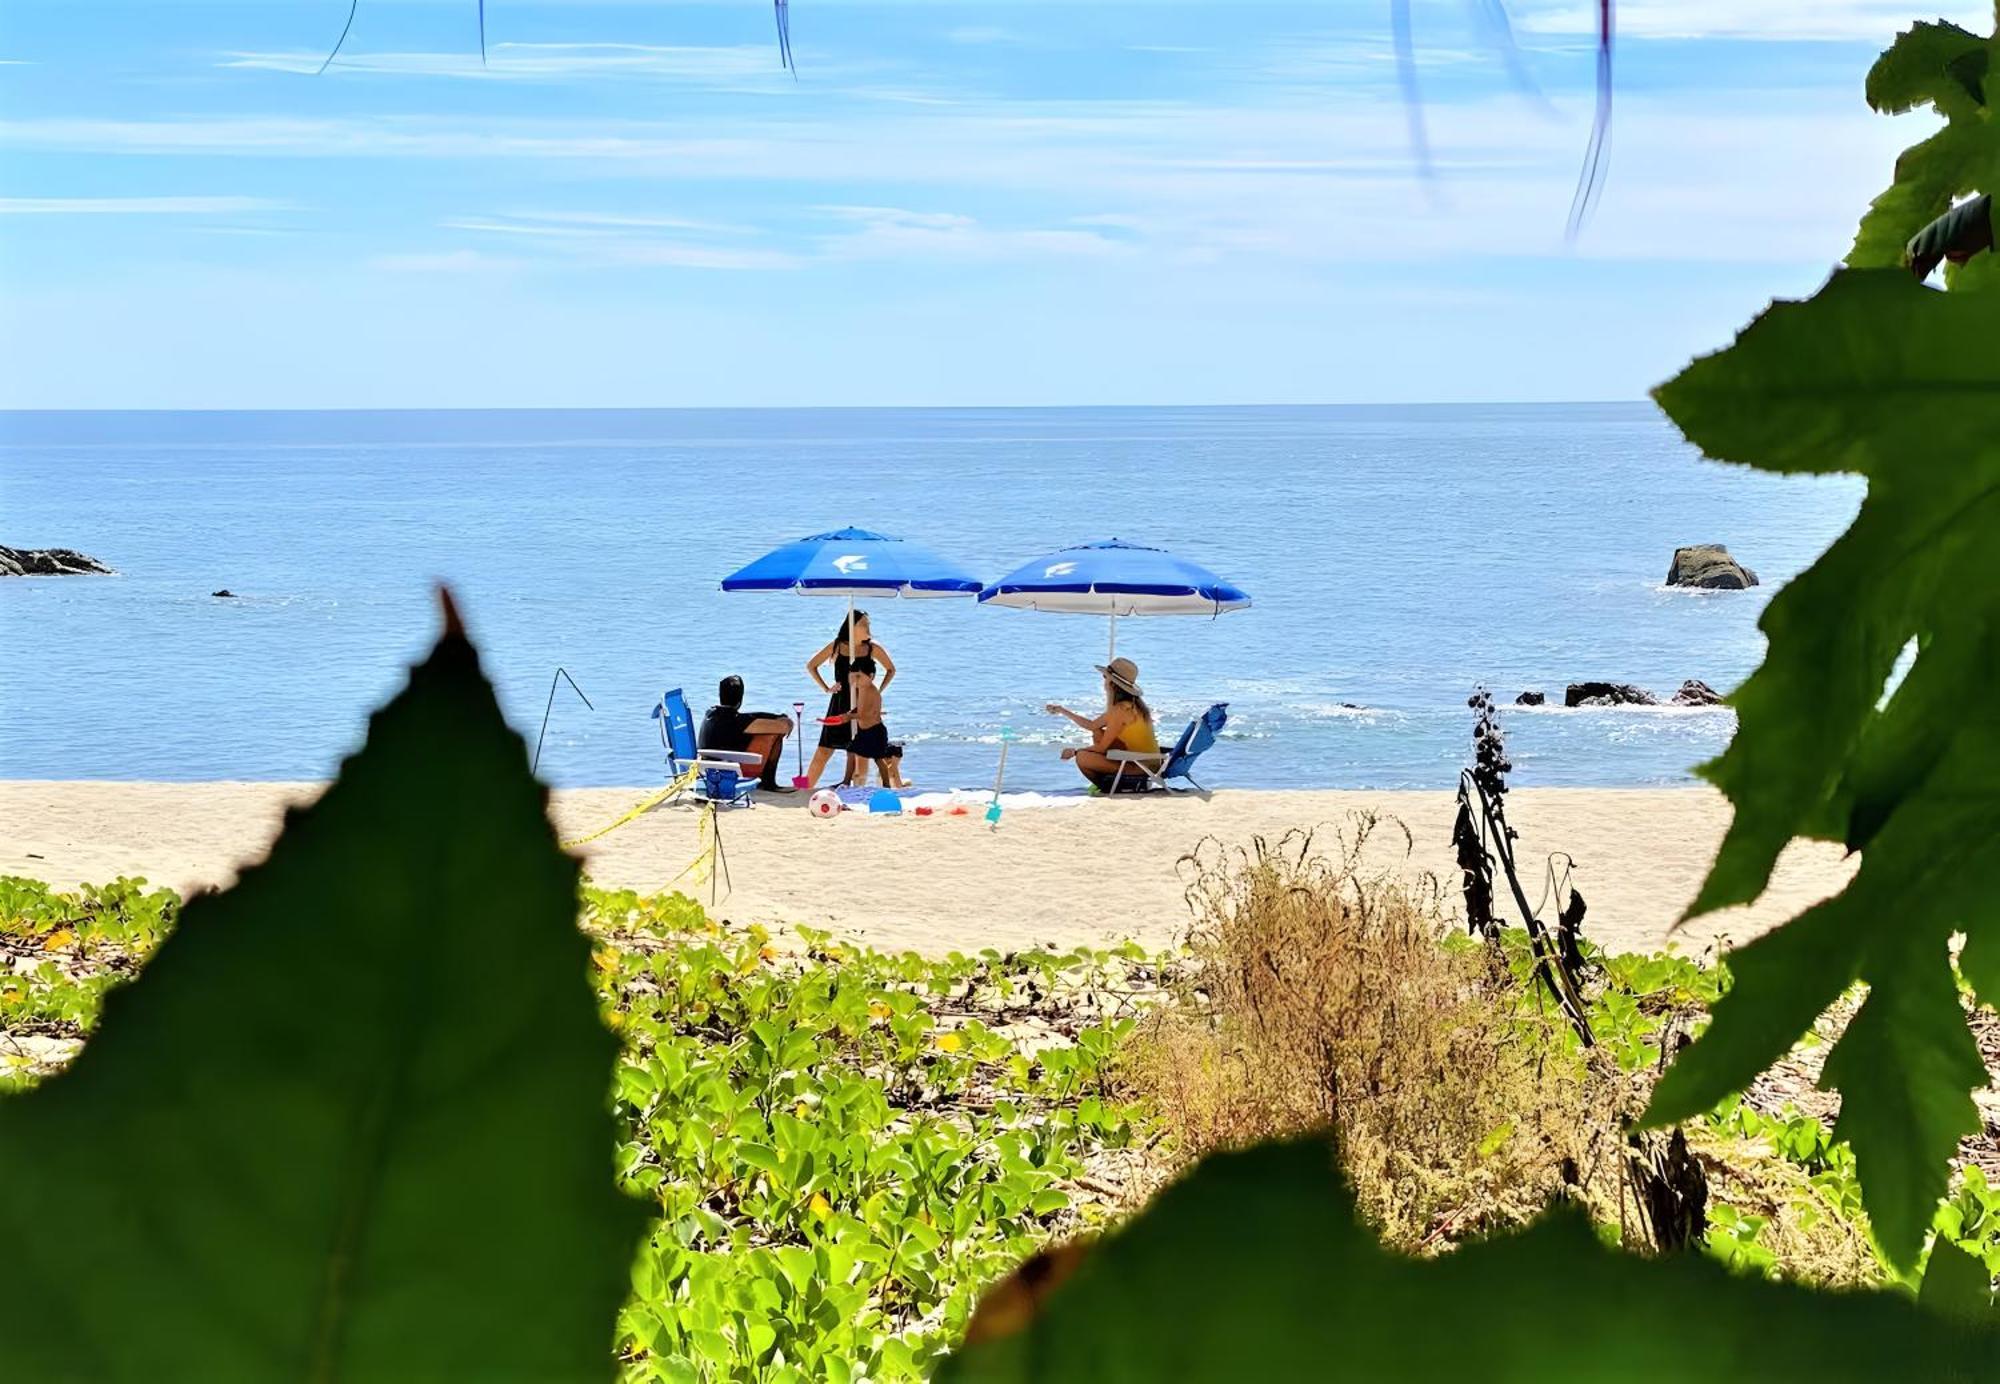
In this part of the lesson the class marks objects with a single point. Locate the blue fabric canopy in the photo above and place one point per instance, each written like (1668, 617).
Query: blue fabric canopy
(1115, 578)
(853, 562)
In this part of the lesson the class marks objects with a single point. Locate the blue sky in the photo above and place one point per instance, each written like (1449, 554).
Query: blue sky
(953, 203)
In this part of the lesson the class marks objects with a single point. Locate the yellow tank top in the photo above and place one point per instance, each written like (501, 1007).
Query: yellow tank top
(1138, 736)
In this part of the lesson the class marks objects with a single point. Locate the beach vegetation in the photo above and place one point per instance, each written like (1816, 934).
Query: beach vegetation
(1316, 993)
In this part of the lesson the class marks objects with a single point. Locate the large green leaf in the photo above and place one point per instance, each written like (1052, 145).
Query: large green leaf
(1943, 66)
(1879, 375)
(1255, 1268)
(351, 1122)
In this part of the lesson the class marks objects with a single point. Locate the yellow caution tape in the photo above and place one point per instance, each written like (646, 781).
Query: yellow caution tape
(702, 867)
(679, 785)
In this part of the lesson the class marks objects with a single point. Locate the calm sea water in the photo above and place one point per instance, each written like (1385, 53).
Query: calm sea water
(1398, 557)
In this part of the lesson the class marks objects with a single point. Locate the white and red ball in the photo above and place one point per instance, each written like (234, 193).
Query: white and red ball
(825, 803)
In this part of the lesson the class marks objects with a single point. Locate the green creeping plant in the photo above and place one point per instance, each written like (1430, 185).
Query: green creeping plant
(844, 1149)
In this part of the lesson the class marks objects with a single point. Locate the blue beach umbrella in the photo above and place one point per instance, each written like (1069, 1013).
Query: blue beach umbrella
(854, 562)
(1114, 578)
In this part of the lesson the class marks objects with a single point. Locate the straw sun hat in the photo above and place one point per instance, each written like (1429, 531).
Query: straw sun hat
(1124, 673)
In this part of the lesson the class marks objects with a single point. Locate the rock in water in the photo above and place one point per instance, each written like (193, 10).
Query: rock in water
(47, 562)
(1530, 699)
(1697, 693)
(1608, 694)
(1710, 567)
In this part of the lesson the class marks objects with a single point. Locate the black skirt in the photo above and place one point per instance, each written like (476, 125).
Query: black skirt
(837, 737)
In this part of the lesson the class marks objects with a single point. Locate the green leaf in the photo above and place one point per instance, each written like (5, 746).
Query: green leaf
(351, 1120)
(1879, 375)
(1256, 1267)
(1943, 66)
(1956, 1284)
(1781, 983)
(1930, 63)
(1905, 1068)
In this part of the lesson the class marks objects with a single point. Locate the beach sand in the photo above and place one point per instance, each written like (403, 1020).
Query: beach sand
(1093, 872)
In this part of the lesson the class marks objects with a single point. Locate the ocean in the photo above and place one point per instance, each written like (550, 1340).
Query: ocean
(1398, 557)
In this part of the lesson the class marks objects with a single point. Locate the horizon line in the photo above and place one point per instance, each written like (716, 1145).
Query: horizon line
(15, 411)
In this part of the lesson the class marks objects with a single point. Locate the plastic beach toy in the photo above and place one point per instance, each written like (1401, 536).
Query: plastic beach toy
(884, 800)
(825, 803)
(999, 776)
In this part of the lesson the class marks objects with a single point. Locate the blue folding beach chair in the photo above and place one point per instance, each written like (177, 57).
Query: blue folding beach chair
(1163, 767)
(724, 777)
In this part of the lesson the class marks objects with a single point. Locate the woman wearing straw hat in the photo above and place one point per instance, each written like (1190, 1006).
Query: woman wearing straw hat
(1126, 724)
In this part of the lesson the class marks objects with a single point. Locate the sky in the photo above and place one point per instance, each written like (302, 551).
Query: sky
(632, 204)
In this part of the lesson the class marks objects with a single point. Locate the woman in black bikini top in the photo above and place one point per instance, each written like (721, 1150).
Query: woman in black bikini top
(837, 729)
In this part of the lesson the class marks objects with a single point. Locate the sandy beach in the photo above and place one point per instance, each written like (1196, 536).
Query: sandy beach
(1093, 872)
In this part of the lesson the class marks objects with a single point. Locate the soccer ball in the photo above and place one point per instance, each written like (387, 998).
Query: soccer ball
(825, 803)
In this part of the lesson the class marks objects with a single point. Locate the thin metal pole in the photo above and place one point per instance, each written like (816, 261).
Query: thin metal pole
(1112, 652)
(561, 674)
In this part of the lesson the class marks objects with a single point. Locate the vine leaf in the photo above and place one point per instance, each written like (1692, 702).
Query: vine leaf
(1956, 1284)
(1256, 1267)
(1905, 1068)
(1951, 70)
(1880, 375)
(351, 1120)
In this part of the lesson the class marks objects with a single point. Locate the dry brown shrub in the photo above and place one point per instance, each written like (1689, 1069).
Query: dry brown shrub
(1321, 991)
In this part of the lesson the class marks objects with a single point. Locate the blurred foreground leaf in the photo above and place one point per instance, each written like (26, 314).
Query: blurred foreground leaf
(1256, 1268)
(351, 1121)
(1879, 375)
(1953, 71)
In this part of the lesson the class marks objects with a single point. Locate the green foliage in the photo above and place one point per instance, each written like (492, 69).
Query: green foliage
(352, 1122)
(1956, 1284)
(1255, 1268)
(1879, 375)
(59, 953)
(1942, 66)
(1970, 1219)
(844, 1146)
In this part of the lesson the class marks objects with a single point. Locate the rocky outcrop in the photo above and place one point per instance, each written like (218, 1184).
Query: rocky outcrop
(1608, 694)
(1530, 699)
(47, 562)
(1710, 567)
(1696, 693)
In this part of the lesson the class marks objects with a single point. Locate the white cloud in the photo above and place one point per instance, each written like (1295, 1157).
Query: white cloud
(986, 35)
(673, 254)
(893, 233)
(606, 223)
(446, 262)
(1871, 21)
(611, 240)
(1730, 176)
(135, 206)
(730, 65)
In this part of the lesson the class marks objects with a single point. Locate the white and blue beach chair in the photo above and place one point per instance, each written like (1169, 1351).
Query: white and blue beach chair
(724, 777)
(1162, 768)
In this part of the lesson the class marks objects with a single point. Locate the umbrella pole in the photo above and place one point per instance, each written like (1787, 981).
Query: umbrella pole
(853, 651)
(1112, 651)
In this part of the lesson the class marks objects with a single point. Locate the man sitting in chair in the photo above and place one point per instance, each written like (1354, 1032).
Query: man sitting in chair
(728, 727)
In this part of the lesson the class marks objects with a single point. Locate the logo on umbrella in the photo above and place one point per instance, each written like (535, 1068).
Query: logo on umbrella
(853, 562)
(1059, 569)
